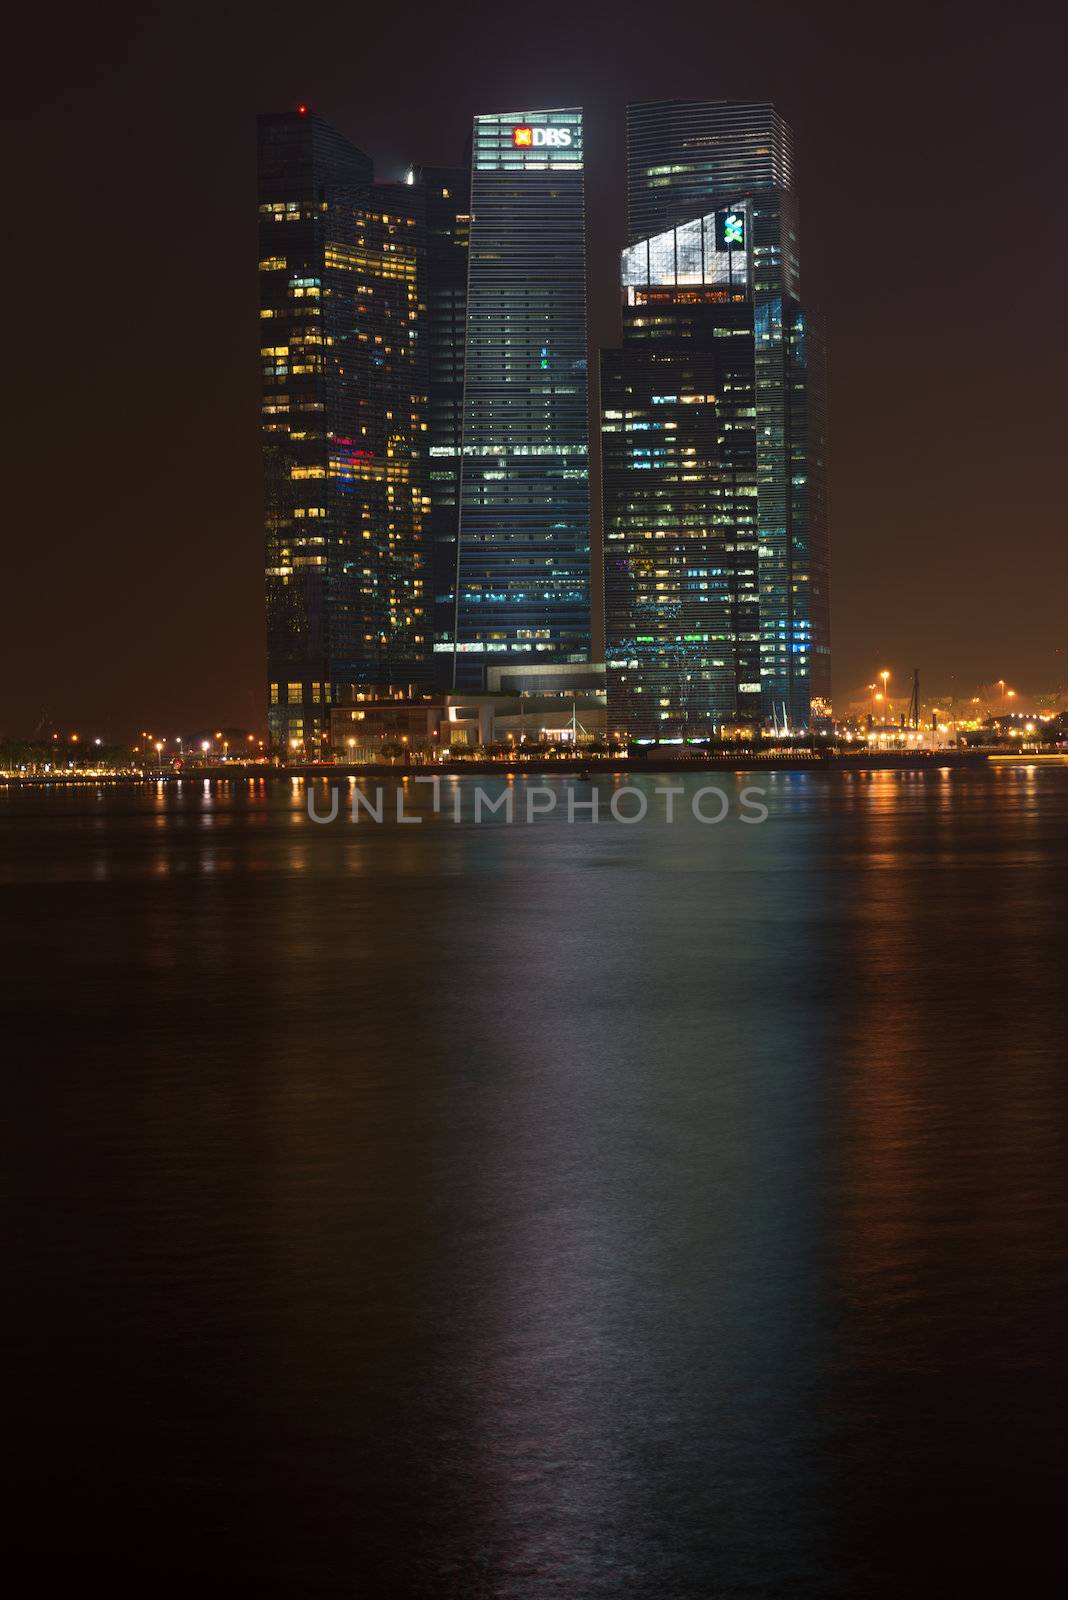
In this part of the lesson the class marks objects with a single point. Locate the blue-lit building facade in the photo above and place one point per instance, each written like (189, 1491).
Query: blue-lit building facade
(716, 560)
(523, 591)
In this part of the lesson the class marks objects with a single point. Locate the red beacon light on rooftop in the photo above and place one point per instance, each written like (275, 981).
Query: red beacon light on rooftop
(302, 111)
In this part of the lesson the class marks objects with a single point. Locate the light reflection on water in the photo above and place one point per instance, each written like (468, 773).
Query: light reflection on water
(543, 1210)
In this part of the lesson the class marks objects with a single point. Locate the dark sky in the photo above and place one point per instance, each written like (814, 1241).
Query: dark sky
(931, 159)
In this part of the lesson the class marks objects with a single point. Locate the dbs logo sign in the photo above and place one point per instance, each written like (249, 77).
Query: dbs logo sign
(541, 138)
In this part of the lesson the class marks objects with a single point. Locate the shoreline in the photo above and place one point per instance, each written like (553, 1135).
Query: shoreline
(572, 766)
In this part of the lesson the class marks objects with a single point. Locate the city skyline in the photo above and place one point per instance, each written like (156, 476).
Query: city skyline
(712, 426)
(901, 152)
(534, 784)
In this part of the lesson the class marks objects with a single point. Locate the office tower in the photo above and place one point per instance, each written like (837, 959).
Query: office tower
(684, 157)
(715, 515)
(523, 555)
(680, 486)
(342, 309)
(446, 193)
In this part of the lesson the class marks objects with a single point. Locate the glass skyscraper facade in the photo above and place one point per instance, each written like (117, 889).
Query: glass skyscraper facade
(715, 517)
(343, 300)
(523, 554)
(684, 156)
(678, 450)
(446, 196)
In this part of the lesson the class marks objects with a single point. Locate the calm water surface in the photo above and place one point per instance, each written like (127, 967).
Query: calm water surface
(538, 1211)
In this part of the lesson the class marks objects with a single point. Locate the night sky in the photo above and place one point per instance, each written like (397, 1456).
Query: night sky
(930, 156)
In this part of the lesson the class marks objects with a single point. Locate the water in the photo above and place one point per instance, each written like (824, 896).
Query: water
(542, 1210)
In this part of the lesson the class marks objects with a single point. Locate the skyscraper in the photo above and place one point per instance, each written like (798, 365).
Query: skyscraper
(523, 555)
(680, 486)
(344, 387)
(714, 506)
(686, 156)
(446, 193)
